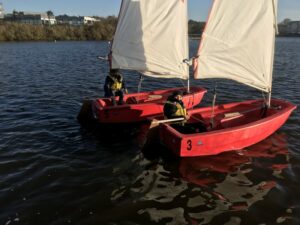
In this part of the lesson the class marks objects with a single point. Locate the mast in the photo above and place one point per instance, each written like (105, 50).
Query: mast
(275, 30)
(269, 99)
(188, 62)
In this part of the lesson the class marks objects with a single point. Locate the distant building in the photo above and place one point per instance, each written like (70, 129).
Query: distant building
(289, 28)
(71, 20)
(31, 18)
(89, 20)
(293, 27)
(1, 11)
(282, 29)
(76, 20)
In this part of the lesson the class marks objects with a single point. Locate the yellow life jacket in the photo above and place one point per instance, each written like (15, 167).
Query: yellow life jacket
(180, 112)
(116, 85)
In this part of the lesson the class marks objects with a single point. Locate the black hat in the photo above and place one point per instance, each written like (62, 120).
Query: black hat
(114, 70)
(175, 93)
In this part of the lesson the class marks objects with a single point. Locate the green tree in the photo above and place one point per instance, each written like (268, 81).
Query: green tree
(49, 14)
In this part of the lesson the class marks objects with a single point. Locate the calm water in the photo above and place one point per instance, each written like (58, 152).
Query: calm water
(52, 171)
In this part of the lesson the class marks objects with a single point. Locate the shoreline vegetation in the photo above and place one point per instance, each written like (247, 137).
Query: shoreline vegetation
(103, 30)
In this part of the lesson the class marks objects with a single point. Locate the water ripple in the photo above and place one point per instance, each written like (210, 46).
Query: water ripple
(54, 172)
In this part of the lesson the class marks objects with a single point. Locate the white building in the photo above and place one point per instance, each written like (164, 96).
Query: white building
(47, 19)
(76, 20)
(89, 20)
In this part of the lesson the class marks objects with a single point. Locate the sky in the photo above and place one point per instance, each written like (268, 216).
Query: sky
(198, 9)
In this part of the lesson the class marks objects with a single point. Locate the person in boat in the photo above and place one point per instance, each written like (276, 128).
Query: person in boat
(174, 108)
(115, 86)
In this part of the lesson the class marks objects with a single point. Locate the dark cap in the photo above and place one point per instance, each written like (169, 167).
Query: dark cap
(175, 93)
(114, 71)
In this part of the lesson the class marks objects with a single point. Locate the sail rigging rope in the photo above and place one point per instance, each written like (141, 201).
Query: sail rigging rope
(140, 83)
(213, 105)
(181, 82)
(264, 97)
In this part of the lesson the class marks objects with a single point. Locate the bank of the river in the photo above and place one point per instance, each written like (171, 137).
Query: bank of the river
(102, 30)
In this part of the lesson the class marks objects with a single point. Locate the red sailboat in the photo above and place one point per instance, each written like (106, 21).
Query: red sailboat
(236, 126)
(151, 39)
(140, 106)
(232, 47)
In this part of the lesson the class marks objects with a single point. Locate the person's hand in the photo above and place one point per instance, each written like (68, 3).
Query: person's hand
(126, 91)
(187, 117)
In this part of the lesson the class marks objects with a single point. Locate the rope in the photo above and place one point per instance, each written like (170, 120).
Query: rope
(139, 87)
(213, 106)
(140, 83)
(264, 97)
(182, 83)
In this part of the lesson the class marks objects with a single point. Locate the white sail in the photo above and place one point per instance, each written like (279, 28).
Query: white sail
(152, 37)
(238, 43)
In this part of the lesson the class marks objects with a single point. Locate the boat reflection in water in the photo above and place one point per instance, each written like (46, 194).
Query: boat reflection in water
(198, 170)
(229, 177)
(222, 189)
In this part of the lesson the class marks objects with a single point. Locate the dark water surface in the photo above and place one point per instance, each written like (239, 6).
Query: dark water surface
(52, 171)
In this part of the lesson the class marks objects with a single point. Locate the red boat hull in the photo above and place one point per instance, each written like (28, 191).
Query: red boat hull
(236, 126)
(140, 106)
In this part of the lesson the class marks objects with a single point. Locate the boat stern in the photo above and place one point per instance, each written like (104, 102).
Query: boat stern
(170, 138)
